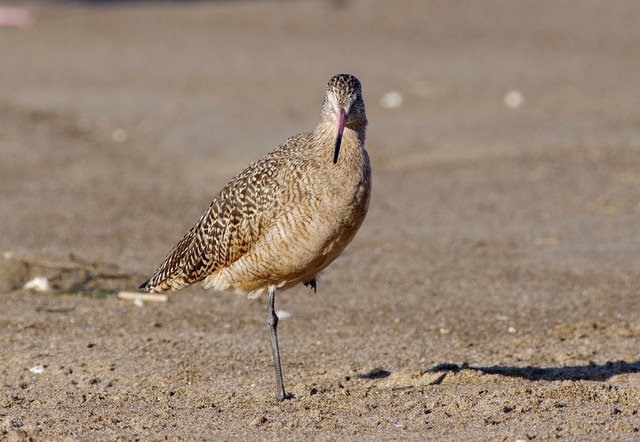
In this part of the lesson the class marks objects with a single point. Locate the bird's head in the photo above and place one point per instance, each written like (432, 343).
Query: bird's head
(344, 105)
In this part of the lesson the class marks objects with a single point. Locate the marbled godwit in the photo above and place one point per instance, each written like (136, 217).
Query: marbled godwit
(285, 217)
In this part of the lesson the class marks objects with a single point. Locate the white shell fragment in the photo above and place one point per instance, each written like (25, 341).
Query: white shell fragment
(37, 369)
(138, 302)
(39, 284)
(283, 314)
(391, 100)
(514, 99)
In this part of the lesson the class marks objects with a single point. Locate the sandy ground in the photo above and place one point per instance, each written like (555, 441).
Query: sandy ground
(492, 293)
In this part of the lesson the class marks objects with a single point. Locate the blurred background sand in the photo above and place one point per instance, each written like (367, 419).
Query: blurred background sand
(492, 292)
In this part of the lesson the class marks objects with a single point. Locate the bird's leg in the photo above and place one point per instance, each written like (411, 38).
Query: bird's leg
(311, 284)
(272, 322)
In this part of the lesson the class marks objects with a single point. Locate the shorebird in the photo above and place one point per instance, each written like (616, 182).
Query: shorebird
(285, 217)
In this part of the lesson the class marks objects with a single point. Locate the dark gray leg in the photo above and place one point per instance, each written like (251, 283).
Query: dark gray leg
(272, 322)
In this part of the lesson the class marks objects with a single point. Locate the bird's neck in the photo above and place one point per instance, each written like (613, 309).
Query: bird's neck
(353, 138)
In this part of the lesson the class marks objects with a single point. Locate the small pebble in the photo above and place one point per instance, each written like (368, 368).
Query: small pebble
(283, 314)
(514, 99)
(37, 369)
(138, 302)
(391, 100)
(39, 284)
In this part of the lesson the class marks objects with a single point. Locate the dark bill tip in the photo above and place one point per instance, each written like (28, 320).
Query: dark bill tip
(336, 150)
(342, 119)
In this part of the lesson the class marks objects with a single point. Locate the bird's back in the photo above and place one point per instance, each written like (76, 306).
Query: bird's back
(228, 228)
(233, 223)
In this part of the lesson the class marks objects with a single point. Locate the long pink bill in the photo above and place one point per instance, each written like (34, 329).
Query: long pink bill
(342, 119)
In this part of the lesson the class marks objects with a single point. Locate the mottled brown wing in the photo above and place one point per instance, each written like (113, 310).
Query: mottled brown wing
(229, 228)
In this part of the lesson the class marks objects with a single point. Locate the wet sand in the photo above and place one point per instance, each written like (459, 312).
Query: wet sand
(492, 293)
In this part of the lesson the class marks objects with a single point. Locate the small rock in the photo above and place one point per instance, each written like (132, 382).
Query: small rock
(37, 369)
(282, 314)
(138, 302)
(260, 421)
(39, 284)
(514, 99)
(391, 100)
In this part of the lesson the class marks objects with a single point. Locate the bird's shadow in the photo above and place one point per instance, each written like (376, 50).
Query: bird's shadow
(589, 372)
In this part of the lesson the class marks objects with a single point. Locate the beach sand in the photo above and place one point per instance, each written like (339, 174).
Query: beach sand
(491, 294)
